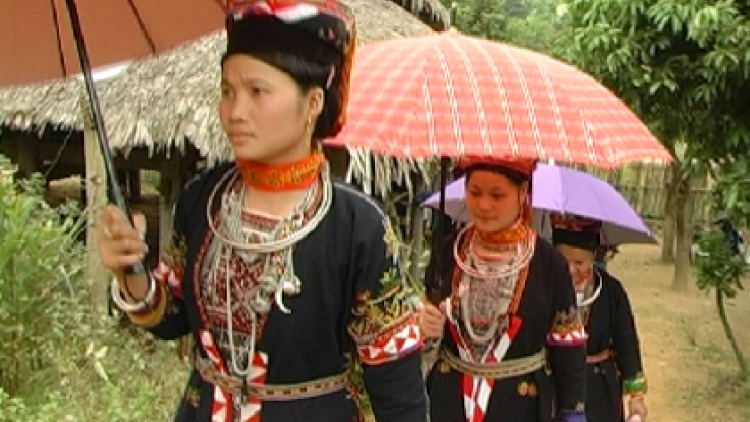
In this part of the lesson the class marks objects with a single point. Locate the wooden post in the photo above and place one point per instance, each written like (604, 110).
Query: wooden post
(640, 183)
(96, 198)
(134, 185)
(170, 184)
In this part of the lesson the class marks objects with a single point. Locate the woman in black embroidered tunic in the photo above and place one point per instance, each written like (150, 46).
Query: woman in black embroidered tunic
(614, 361)
(282, 275)
(510, 312)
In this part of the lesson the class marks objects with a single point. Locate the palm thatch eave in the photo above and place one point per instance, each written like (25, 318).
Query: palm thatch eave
(431, 12)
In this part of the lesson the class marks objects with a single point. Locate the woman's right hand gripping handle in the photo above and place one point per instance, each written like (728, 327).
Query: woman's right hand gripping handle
(122, 246)
(432, 320)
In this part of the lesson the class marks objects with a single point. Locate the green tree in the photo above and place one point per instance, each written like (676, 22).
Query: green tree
(683, 66)
(532, 24)
(719, 270)
(722, 273)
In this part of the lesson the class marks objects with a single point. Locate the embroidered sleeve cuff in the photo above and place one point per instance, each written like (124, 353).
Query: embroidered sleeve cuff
(636, 386)
(567, 335)
(393, 342)
(567, 330)
(169, 276)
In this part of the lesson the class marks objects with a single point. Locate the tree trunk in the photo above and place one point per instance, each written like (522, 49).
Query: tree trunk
(682, 238)
(744, 370)
(668, 238)
(670, 210)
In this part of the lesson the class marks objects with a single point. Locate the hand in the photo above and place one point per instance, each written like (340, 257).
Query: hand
(120, 244)
(637, 406)
(431, 320)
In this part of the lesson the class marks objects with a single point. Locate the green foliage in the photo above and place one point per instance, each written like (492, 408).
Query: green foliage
(719, 269)
(682, 65)
(731, 193)
(13, 408)
(98, 373)
(36, 246)
(721, 272)
(526, 23)
(57, 363)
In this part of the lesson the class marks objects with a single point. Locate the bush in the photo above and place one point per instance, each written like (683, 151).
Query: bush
(59, 361)
(719, 269)
(37, 262)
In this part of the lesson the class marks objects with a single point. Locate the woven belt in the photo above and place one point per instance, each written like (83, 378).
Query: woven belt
(599, 357)
(500, 370)
(268, 392)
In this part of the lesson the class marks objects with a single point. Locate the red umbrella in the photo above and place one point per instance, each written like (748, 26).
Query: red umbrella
(38, 44)
(450, 95)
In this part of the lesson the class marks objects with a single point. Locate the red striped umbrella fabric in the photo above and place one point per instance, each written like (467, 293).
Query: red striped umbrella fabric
(451, 95)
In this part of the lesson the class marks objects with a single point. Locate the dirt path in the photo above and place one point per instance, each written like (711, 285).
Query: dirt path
(688, 359)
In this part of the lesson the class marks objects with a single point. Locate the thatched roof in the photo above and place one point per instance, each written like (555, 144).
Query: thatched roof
(431, 12)
(166, 100)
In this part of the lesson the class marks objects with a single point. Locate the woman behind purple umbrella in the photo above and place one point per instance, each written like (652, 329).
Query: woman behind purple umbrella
(614, 360)
(510, 313)
(282, 276)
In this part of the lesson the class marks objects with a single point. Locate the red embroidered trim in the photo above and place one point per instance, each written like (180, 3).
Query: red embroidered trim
(393, 343)
(287, 177)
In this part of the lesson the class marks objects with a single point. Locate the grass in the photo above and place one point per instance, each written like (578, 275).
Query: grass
(102, 373)
(723, 387)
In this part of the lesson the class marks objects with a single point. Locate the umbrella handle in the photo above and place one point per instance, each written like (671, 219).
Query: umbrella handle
(113, 184)
(434, 288)
(434, 295)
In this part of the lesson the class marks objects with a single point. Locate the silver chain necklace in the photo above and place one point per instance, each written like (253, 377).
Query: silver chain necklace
(278, 277)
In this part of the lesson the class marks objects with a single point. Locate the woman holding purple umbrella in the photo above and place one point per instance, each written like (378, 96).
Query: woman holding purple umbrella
(615, 367)
(510, 314)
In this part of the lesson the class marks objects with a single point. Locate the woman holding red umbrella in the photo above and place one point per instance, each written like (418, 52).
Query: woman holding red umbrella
(615, 367)
(282, 276)
(510, 314)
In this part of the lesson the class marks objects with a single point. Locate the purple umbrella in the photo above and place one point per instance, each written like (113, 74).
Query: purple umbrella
(569, 191)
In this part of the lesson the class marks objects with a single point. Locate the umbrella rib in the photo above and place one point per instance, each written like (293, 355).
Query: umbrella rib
(142, 24)
(55, 18)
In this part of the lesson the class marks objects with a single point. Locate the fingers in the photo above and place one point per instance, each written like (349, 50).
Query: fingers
(431, 321)
(432, 311)
(444, 307)
(120, 244)
(139, 221)
(114, 224)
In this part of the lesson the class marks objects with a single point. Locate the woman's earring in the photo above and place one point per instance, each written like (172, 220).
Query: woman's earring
(310, 130)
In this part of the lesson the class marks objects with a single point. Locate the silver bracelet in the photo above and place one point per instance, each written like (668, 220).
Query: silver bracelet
(128, 307)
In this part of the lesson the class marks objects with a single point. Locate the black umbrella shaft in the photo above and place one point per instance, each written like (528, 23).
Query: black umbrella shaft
(435, 287)
(115, 193)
